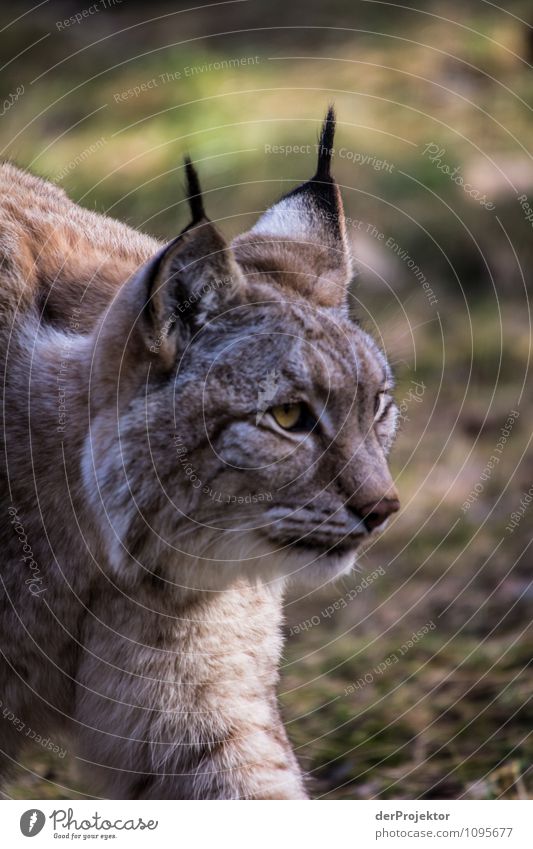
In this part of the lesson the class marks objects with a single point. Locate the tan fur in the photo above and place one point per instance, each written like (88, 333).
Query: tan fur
(56, 255)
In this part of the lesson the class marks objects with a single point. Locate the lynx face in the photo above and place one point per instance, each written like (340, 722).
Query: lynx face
(240, 419)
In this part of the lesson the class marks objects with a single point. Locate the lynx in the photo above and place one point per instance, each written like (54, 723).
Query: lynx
(188, 427)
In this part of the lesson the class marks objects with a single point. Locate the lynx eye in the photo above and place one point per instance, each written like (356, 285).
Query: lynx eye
(293, 416)
(380, 404)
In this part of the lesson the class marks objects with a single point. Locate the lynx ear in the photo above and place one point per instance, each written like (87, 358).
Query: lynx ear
(301, 240)
(190, 281)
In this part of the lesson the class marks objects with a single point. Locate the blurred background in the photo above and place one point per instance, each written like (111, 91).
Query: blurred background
(413, 678)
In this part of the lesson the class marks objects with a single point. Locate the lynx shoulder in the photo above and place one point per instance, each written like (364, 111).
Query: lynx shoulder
(55, 253)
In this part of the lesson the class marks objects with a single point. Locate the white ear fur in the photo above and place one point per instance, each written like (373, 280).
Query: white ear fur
(312, 212)
(301, 240)
(290, 217)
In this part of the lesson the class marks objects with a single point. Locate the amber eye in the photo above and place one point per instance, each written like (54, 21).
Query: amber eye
(287, 415)
(293, 417)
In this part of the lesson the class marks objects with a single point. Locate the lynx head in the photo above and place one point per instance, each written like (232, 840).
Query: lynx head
(241, 420)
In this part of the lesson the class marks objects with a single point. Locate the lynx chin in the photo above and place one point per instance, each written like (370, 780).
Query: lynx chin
(141, 616)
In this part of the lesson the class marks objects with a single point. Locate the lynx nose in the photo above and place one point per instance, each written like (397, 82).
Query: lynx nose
(376, 513)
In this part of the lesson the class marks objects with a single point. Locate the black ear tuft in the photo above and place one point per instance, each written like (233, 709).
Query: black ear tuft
(194, 192)
(325, 146)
